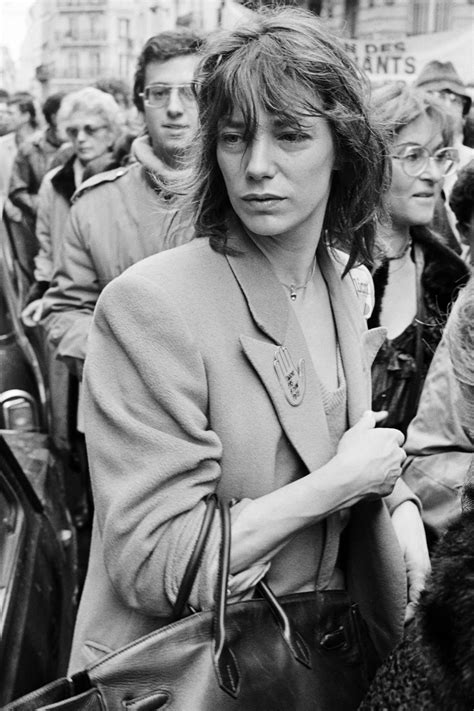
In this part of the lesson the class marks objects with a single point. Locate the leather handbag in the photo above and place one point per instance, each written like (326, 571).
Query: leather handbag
(303, 652)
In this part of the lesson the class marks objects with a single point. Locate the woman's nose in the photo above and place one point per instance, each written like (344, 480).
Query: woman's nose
(259, 159)
(432, 170)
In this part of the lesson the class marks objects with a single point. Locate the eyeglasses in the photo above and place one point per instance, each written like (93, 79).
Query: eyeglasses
(74, 131)
(449, 97)
(415, 159)
(158, 95)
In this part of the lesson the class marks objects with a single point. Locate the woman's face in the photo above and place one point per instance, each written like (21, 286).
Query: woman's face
(279, 182)
(90, 136)
(411, 201)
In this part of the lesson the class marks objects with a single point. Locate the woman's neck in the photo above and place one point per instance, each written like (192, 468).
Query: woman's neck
(395, 241)
(292, 261)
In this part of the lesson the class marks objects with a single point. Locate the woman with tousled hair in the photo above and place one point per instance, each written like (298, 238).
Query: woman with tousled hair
(417, 277)
(240, 364)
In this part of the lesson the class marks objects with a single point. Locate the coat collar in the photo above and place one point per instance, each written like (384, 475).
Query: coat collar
(304, 422)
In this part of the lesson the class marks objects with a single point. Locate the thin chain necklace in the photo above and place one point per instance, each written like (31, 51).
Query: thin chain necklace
(295, 288)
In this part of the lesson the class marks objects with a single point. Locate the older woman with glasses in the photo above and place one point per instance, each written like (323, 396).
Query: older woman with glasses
(91, 121)
(417, 277)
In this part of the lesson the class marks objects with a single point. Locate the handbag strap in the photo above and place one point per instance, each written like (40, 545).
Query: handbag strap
(225, 664)
(195, 560)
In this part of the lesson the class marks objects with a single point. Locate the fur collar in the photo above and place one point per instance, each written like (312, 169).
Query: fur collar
(443, 275)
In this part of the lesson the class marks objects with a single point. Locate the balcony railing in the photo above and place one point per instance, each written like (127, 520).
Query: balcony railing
(70, 37)
(80, 4)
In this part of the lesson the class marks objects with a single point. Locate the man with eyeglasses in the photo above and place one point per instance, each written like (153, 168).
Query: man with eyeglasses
(442, 80)
(124, 215)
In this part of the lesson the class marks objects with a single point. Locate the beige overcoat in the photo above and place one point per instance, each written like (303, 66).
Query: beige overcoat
(182, 398)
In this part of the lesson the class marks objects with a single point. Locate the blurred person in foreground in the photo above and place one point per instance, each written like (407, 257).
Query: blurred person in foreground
(440, 440)
(125, 215)
(240, 363)
(417, 277)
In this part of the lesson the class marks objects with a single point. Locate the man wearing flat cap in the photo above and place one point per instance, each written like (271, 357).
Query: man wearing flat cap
(442, 79)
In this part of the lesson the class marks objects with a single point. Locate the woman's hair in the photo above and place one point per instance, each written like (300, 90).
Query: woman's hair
(90, 101)
(288, 63)
(395, 105)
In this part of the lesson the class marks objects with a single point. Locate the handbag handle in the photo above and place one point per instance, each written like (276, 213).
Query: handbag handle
(225, 663)
(195, 560)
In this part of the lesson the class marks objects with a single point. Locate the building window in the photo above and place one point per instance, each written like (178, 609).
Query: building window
(123, 66)
(430, 16)
(73, 65)
(94, 62)
(124, 28)
(72, 29)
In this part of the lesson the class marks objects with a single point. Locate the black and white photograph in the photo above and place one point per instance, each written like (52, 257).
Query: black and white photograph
(236, 355)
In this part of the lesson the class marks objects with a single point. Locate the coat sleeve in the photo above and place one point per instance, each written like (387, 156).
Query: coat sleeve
(44, 258)
(70, 301)
(439, 445)
(152, 454)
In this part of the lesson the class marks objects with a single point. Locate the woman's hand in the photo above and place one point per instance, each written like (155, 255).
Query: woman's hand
(31, 314)
(410, 532)
(371, 458)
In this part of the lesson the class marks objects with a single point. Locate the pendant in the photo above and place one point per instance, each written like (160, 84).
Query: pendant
(293, 293)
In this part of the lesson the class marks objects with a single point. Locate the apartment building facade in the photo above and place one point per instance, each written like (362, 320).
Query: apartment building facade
(72, 43)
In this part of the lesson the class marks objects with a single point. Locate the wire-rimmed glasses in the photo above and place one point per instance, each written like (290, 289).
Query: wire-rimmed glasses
(159, 94)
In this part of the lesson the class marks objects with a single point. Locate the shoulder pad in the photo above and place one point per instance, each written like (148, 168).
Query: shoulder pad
(109, 176)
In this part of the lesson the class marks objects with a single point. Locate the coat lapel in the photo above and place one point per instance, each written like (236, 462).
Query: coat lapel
(351, 330)
(282, 361)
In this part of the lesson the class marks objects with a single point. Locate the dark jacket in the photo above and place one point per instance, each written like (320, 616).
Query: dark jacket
(32, 162)
(400, 369)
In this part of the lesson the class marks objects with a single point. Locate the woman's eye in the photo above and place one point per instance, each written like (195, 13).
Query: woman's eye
(293, 136)
(231, 139)
(412, 156)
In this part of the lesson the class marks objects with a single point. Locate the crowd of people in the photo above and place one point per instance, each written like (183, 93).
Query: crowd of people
(258, 283)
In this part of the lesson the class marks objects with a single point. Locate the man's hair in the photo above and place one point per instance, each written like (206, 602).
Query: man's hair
(51, 106)
(160, 48)
(395, 105)
(287, 62)
(461, 199)
(25, 102)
